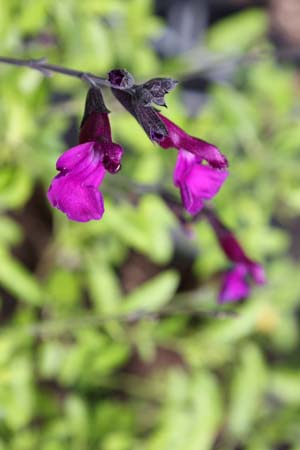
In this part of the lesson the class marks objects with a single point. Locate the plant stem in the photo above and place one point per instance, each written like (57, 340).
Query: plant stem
(47, 69)
(57, 326)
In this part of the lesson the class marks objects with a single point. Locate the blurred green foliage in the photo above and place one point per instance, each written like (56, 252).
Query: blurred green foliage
(70, 381)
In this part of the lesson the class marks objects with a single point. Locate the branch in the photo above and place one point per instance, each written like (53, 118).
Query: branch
(54, 327)
(47, 69)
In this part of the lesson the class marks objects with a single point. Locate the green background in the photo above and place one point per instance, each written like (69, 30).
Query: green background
(70, 378)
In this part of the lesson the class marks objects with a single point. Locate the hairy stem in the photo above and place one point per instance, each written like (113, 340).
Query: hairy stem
(47, 69)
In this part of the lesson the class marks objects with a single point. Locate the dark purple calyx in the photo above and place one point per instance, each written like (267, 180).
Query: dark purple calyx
(154, 91)
(120, 78)
(146, 116)
(94, 103)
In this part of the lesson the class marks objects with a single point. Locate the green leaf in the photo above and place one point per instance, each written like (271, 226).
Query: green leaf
(103, 285)
(10, 231)
(192, 413)
(78, 420)
(17, 280)
(206, 409)
(284, 384)
(238, 31)
(63, 288)
(15, 187)
(248, 385)
(153, 294)
(145, 228)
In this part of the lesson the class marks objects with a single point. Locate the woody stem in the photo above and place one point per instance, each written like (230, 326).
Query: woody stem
(47, 69)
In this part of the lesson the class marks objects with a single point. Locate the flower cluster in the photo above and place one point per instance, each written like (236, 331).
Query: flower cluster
(200, 169)
(199, 173)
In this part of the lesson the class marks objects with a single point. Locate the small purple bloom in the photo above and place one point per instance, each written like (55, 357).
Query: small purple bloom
(236, 281)
(179, 139)
(235, 286)
(197, 182)
(74, 190)
(233, 249)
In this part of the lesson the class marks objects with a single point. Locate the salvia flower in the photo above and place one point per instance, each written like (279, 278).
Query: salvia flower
(197, 182)
(235, 284)
(74, 190)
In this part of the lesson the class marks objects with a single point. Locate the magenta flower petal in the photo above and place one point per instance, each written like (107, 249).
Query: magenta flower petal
(235, 286)
(179, 139)
(75, 190)
(184, 164)
(79, 202)
(197, 182)
(75, 157)
(236, 282)
(233, 249)
(257, 272)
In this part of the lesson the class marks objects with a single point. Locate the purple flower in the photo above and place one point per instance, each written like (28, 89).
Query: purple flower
(179, 139)
(74, 190)
(235, 286)
(197, 182)
(236, 281)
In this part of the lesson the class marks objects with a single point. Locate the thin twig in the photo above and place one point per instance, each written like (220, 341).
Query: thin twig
(46, 69)
(71, 324)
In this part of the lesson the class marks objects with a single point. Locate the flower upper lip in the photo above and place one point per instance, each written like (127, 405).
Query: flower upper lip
(178, 138)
